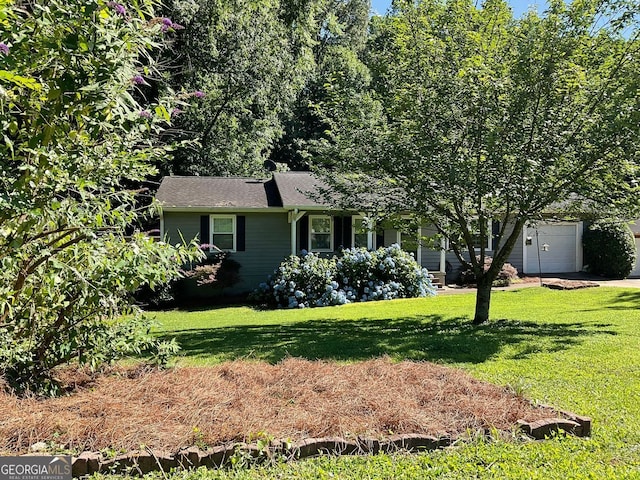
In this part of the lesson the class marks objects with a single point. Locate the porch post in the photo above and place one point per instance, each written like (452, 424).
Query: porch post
(419, 249)
(443, 255)
(370, 232)
(294, 233)
(294, 216)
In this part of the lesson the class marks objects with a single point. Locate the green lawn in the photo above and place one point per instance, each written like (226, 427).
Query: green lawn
(578, 350)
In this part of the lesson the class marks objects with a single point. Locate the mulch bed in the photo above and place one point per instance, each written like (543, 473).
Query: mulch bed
(241, 400)
(569, 284)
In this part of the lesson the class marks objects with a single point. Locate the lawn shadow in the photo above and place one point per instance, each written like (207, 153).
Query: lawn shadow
(429, 337)
(629, 298)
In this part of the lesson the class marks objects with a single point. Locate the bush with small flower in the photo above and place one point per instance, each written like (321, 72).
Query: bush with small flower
(508, 273)
(357, 275)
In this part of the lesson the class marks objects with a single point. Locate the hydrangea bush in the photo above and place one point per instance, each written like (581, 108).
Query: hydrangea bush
(357, 275)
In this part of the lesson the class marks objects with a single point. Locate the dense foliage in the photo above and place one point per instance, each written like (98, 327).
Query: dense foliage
(478, 119)
(339, 38)
(262, 66)
(249, 58)
(609, 249)
(357, 275)
(77, 131)
(200, 282)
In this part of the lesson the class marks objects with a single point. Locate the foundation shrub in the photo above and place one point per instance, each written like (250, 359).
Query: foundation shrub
(356, 275)
(508, 273)
(609, 249)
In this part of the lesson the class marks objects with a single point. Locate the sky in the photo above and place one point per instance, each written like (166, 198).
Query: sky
(519, 6)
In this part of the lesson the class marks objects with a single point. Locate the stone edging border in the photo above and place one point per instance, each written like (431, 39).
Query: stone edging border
(142, 462)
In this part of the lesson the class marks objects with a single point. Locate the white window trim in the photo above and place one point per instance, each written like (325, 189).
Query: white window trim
(477, 249)
(234, 231)
(370, 233)
(330, 249)
(417, 234)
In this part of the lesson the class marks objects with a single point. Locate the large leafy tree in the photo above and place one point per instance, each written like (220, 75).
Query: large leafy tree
(478, 117)
(341, 29)
(76, 131)
(249, 58)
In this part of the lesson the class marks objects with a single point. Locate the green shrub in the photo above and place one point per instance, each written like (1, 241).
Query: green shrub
(609, 249)
(82, 131)
(357, 275)
(507, 274)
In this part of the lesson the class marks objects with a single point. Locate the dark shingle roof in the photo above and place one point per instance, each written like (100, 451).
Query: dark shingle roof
(218, 192)
(295, 189)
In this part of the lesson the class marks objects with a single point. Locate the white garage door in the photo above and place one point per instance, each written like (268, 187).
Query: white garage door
(558, 245)
(636, 269)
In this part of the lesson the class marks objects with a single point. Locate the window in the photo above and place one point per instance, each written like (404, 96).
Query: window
(359, 233)
(475, 237)
(223, 232)
(320, 233)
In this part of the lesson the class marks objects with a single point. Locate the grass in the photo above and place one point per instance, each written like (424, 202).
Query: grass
(578, 350)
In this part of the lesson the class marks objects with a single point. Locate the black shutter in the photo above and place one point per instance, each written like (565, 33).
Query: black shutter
(204, 229)
(240, 232)
(346, 233)
(338, 243)
(303, 229)
(379, 239)
(495, 231)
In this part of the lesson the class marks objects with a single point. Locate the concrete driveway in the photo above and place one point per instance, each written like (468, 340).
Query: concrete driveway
(550, 278)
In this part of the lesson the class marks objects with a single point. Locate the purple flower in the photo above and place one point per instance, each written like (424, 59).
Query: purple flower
(138, 80)
(198, 94)
(176, 26)
(145, 113)
(120, 9)
(4, 48)
(166, 24)
(175, 112)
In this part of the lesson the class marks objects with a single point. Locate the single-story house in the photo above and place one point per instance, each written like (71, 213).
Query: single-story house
(262, 221)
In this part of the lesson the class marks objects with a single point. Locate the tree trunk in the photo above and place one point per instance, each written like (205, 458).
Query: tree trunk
(483, 299)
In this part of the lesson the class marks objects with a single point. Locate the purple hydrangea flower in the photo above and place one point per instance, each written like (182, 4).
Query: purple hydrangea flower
(198, 94)
(4, 48)
(145, 113)
(138, 80)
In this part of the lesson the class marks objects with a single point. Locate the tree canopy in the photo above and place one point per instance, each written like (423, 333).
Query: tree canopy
(249, 58)
(476, 117)
(261, 66)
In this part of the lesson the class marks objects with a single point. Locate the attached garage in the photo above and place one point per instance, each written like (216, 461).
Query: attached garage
(553, 248)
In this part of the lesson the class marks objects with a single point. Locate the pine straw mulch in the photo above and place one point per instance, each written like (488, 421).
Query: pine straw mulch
(295, 399)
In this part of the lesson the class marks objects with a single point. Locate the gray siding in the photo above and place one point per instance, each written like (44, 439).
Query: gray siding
(516, 258)
(178, 226)
(267, 243)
